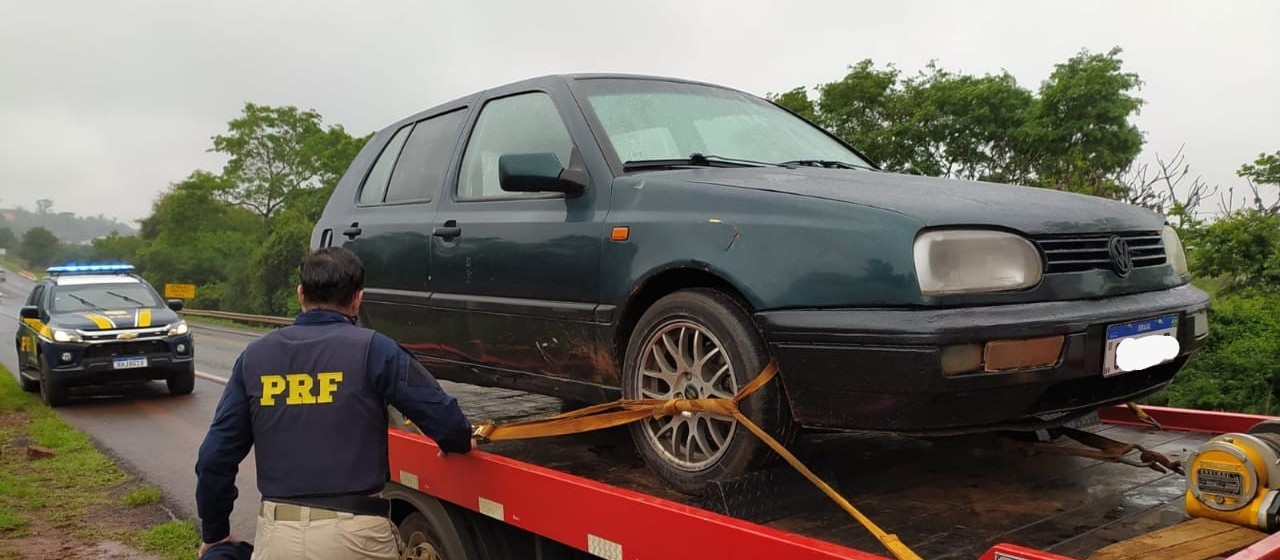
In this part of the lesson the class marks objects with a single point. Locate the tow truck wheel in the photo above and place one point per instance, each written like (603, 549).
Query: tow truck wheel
(182, 381)
(424, 540)
(52, 391)
(701, 343)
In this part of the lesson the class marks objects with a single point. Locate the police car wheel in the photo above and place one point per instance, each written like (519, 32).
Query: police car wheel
(28, 384)
(52, 391)
(182, 381)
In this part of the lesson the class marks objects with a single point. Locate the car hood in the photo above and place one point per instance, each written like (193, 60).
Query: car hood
(937, 201)
(113, 319)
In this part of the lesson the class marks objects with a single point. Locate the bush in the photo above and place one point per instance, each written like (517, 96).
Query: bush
(1239, 369)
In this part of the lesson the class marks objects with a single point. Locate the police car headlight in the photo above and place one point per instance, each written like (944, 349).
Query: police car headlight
(60, 335)
(178, 328)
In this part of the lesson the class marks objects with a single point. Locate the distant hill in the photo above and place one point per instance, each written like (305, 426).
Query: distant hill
(68, 227)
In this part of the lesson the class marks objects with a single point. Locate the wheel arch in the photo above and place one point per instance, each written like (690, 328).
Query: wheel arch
(663, 283)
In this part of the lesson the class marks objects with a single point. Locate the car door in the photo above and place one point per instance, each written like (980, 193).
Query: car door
(28, 330)
(514, 275)
(390, 220)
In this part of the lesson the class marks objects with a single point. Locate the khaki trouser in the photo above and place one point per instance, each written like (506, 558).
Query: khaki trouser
(322, 535)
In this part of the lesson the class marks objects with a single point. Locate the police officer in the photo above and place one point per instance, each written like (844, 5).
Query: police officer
(312, 398)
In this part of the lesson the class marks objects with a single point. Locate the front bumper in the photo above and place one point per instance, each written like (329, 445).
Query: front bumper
(94, 364)
(880, 369)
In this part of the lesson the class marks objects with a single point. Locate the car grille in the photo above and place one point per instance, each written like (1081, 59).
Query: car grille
(1078, 253)
(126, 349)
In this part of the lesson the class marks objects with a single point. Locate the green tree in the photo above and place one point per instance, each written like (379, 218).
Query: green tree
(275, 264)
(797, 101)
(276, 152)
(116, 247)
(7, 239)
(967, 127)
(861, 107)
(1083, 140)
(194, 237)
(1263, 171)
(1241, 251)
(39, 247)
(1073, 134)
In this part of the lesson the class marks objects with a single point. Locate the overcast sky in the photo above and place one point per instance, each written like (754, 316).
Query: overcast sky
(103, 104)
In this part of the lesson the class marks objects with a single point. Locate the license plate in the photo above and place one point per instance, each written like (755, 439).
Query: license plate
(129, 363)
(1130, 346)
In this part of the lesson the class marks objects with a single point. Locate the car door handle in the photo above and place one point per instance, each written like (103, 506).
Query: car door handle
(352, 231)
(450, 229)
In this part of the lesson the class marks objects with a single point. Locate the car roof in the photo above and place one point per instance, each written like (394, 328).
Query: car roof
(91, 279)
(543, 81)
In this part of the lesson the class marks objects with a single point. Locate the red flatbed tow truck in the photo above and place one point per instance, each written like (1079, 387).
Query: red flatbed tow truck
(589, 496)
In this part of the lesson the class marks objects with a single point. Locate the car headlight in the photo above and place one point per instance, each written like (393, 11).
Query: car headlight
(178, 328)
(60, 335)
(975, 261)
(1173, 251)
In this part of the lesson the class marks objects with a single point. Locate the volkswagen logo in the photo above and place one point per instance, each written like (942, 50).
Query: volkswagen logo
(1121, 259)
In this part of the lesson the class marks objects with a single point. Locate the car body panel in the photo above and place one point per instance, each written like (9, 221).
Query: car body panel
(536, 293)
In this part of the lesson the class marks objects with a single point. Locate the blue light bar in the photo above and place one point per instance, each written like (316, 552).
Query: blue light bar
(90, 268)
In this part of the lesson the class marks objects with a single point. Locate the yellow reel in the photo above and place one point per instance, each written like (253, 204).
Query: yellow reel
(1236, 478)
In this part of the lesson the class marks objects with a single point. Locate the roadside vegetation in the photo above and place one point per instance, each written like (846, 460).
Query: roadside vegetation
(62, 498)
(238, 233)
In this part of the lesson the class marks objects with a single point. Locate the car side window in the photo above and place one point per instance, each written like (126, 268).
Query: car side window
(375, 184)
(519, 124)
(425, 157)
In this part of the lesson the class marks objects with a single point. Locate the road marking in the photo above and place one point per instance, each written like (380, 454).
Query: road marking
(211, 377)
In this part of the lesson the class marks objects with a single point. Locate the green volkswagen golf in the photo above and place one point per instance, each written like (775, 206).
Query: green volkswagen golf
(591, 236)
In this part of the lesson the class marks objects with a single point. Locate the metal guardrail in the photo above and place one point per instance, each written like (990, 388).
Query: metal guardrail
(241, 317)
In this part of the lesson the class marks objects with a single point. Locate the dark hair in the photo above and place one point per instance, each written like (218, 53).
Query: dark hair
(331, 275)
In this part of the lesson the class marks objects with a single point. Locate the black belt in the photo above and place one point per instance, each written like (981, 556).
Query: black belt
(352, 503)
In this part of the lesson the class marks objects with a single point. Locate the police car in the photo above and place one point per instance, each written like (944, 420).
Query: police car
(98, 325)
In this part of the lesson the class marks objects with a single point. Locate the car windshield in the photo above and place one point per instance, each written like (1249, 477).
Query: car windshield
(649, 120)
(98, 297)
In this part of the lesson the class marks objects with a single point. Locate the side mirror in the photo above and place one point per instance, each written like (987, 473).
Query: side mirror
(29, 312)
(175, 304)
(538, 172)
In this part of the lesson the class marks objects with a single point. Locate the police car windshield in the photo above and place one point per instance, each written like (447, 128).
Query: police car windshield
(94, 297)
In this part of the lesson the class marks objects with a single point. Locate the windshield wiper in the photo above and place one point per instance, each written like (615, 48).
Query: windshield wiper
(86, 302)
(695, 159)
(127, 298)
(828, 163)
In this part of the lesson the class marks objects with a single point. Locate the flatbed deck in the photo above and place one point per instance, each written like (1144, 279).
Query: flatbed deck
(944, 497)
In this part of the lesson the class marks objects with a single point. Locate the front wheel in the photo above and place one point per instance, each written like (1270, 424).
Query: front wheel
(53, 391)
(29, 385)
(701, 344)
(182, 380)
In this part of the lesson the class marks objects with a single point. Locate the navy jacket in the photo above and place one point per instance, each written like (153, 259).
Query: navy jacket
(311, 399)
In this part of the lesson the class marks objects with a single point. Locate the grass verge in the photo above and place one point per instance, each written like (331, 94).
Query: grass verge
(174, 540)
(57, 489)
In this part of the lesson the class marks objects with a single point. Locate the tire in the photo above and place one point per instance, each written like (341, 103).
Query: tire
(705, 319)
(52, 391)
(182, 381)
(28, 384)
(443, 535)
